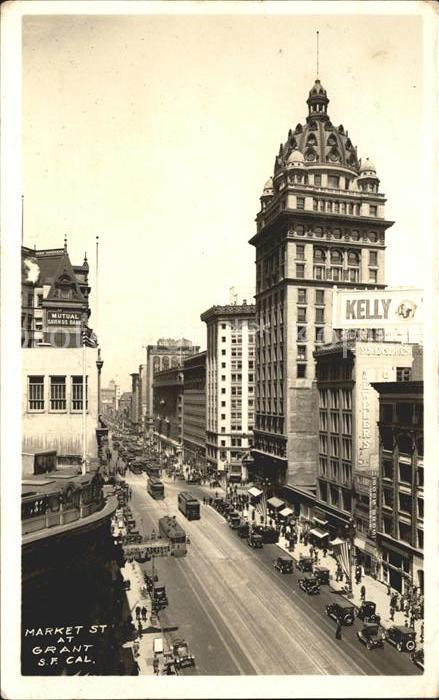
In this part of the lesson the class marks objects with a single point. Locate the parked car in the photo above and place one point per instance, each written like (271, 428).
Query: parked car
(305, 564)
(255, 540)
(403, 638)
(342, 611)
(269, 534)
(367, 612)
(371, 636)
(309, 584)
(417, 657)
(322, 573)
(284, 565)
(243, 530)
(234, 521)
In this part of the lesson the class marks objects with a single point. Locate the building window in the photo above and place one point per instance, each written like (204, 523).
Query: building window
(223, 404)
(373, 209)
(300, 252)
(320, 297)
(301, 371)
(301, 352)
(319, 255)
(223, 366)
(333, 181)
(403, 374)
(373, 258)
(315, 204)
(319, 334)
(223, 352)
(39, 300)
(320, 315)
(301, 314)
(301, 333)
(405, 473)
(223, 416)
(301, 296)
(319, 272)
(318, 180)
(57, 393)
(77, 394)
(300, 271)
(36, 394)
(300, 202)
(373, 275)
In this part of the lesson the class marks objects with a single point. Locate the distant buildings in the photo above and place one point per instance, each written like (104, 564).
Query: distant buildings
(230, 381)
(110, 399)
(168, 410)
(165, 354)
(194, 411)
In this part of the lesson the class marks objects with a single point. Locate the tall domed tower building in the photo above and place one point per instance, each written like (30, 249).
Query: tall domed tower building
(321, 225)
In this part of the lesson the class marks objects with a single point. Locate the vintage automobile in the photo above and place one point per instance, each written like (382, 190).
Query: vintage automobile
(367, 612)
(243, 530)
(309, 584)
(269, 534)
(403, 638)
(417, 657)
(234, 521)
(342, 611)
(194, 478)
(305, 564)
(284, 565)
(158, 594)
(371, 636)
(322, 574)
(181, 654)
(254, 540)
(218, 503)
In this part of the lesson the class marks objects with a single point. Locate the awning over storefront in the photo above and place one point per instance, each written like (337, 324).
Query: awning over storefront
(275, 503)
(337, 542)
(317, 532)
(320, 521)
(255, 492)
(286, 512)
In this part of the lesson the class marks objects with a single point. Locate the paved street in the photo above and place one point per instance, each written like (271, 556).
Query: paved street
(238, 614)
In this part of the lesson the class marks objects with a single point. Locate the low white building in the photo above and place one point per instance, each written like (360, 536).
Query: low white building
(52, 382)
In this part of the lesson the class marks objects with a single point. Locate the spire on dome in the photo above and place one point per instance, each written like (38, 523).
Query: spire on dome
(317, 102)
(65, 242)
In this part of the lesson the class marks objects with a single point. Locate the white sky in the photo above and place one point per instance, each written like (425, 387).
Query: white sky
(158, 133)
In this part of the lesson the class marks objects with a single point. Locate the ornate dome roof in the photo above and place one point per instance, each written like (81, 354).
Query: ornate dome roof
(296, 159)
(367, 166)
(268, 187)
(318, 140)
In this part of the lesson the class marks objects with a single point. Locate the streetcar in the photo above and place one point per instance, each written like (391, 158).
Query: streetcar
(155, 488)
(189, 505)
(171, 530)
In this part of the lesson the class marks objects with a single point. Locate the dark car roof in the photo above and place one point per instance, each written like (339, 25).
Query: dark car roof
(310, 577)
(403, 629)
(344, 604)
(284, 559)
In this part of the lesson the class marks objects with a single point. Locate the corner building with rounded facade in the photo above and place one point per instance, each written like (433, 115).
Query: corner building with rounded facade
(321, 225)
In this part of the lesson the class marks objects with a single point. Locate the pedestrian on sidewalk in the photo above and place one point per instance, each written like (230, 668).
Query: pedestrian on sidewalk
(363, 592)
(412, 621)
(338, 634)
(358, 574)
(138, 611)
(311, 551)
(140, 628)
(392, 613)
(144, 611)
(389, 589)
(325, 551)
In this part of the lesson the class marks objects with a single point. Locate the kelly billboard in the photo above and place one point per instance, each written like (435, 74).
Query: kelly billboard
(394, 307)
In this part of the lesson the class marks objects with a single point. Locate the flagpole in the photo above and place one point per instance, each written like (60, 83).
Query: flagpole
(97, 289)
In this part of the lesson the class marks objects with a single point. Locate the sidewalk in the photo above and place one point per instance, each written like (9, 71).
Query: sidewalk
(138, 596)
(375, 590)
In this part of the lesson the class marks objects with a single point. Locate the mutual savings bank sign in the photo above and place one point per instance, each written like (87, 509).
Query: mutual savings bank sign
(396, 307)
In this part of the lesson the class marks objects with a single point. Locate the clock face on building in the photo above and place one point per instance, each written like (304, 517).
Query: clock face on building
(334, 156)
